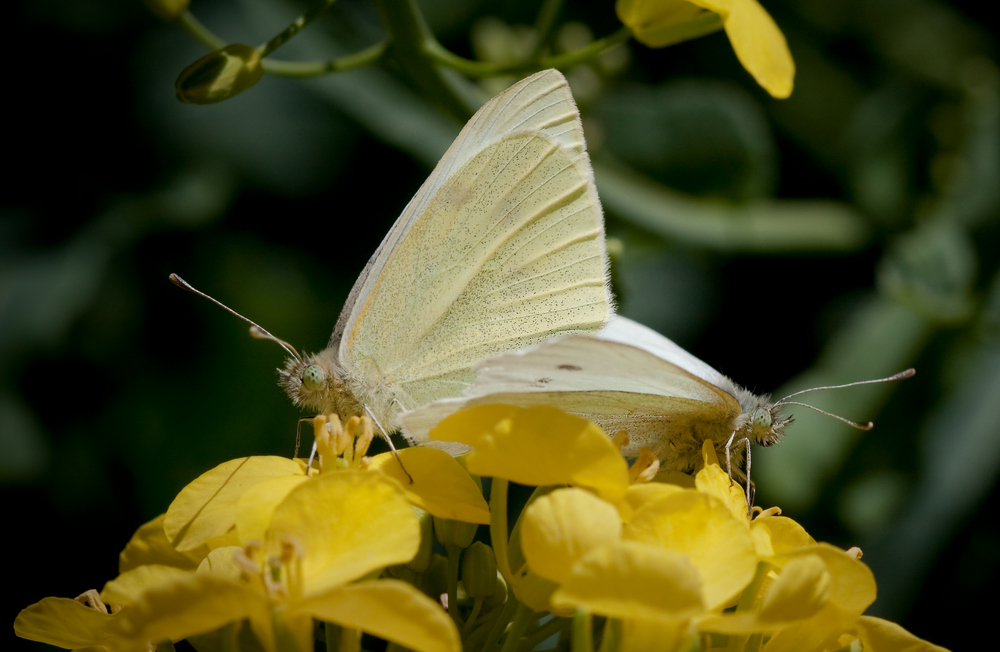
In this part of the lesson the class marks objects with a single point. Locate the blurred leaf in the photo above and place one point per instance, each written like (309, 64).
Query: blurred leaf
(881, 338)
(698, 136)
(960, 462)
(763, 226)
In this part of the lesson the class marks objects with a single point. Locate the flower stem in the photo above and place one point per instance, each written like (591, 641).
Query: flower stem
(498, 528)
(545, 24)
(200, 32)
(454, 557)
(364, 57)
(477, 605)
(479, 69)
(297, 26)
(517, 628)
(583, 632)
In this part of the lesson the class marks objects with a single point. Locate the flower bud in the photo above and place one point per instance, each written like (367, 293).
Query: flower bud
(167, 10)
(454, 533)
(219, 75)
(479, 570)
(422, 560)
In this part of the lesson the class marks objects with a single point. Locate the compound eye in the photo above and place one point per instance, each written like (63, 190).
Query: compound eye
(762, 419)
(313, 377)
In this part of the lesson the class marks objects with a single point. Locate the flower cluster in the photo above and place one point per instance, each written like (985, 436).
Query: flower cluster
(260, 553)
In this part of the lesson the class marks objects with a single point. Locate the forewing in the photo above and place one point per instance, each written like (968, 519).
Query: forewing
(504, 252)
(540, 104)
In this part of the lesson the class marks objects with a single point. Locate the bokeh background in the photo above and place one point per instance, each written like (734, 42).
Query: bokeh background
(846, 233)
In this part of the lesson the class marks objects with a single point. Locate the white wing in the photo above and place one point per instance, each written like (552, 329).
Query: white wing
(619, 387)
(502, 247)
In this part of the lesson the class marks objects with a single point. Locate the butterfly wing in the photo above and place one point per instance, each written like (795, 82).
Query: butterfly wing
(501, 248)
(618, 386)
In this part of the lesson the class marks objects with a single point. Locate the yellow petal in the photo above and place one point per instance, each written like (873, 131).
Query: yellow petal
(716, 482)
(666, 635)
(853, 586)
(776, 535)
(759, 44)
(802, 589)
(206, 508)
(130, 586)
(149, 545)
(702, 528)
(440, 485)
(221, 563)
(558, 528)
(345, 524)
(193, 604)
(883, 636)
(538, 446)
(535, 592)
(389, 609)
(646, 492)
(256, 505)
(651, 21)
(64, 623)
(631, 579)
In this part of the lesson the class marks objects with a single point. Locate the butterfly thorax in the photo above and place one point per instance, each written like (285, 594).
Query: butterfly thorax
(761, 420)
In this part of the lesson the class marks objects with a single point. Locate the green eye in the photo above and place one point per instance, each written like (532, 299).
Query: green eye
(313, 377)
(762, 419)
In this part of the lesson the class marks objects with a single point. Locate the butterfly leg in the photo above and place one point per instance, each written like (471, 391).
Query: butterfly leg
(392, 447)
(729, 457)
(751, 490)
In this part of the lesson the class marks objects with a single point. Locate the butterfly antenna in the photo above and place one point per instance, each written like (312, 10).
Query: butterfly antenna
(867, 425)
(255, 331)
(900, 376)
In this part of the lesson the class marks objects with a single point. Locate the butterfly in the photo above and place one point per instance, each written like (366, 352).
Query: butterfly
(501, 248)
(631, 378)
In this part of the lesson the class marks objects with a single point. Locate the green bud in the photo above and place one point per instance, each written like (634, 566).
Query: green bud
(436, 577)
(167, 10)
(454, 533)
(479, 570)
(423, 558)
(219, 75)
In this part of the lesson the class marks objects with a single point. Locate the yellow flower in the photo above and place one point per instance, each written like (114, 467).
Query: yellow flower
(327, 534)
(759, 44)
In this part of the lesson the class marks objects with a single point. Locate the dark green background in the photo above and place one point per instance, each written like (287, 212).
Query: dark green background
(878, 184)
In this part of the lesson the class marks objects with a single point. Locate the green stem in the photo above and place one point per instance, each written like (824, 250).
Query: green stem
(509, 609)
(200, 32)
(454, 557)
(480, 69)
(544, 25)
(331, 634)
(583, 632)
(297, 26)
(553, 626)
(611, 636)
(477, 606)
(498, 528)
(521, 620)
(350, 640)
(409, 37)
(364, 57)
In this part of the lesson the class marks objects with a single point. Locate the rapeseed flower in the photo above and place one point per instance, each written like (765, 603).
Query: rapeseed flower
(759, 44)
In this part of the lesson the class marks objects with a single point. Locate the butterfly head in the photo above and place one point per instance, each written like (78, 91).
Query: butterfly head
(311, 381)
(765, 421)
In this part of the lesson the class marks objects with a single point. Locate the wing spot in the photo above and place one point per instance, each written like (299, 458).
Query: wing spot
(570, 367)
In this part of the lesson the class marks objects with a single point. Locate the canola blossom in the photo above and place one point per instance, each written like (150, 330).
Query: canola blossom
(758, 42)
(258, 554)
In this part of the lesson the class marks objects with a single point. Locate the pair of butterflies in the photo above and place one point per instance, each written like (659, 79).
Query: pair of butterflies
(501, 250)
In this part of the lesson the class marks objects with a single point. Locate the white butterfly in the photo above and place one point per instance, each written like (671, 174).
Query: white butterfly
(502, 247)
(628, 378)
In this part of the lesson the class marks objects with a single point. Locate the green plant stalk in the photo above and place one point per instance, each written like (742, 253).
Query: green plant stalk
(297, 26)
(553, 626)
(583, 632)
(365, 57)
(480, 69)
(454, 558)
(196, 29)
(517, 628)
(545, 25)
(409, 38)
(509, 609)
